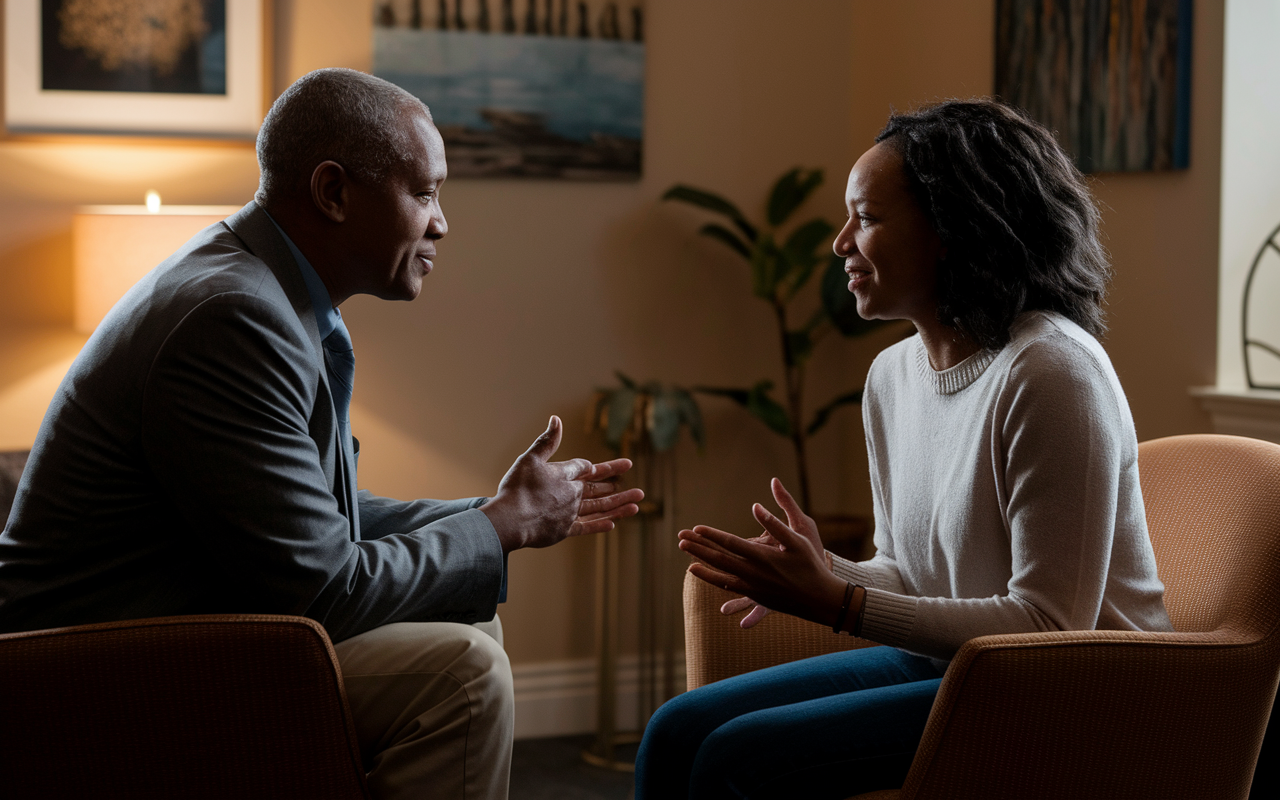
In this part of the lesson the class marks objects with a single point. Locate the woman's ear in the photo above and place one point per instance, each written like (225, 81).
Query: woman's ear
(329, 190)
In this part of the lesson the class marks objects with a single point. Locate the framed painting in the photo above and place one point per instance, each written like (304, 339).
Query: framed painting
(189, 68)
(523, 88)
(1111, 79)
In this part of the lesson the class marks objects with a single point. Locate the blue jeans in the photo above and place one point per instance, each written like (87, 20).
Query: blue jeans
(825, 727)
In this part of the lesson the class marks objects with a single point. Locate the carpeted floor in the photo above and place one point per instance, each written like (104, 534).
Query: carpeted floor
(552, 769)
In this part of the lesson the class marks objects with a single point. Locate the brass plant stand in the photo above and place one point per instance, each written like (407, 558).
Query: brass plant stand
(656, 614)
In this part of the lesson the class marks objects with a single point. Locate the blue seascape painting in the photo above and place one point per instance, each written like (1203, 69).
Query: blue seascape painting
(523, 94)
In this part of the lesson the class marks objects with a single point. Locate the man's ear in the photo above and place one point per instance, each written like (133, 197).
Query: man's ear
(329, 190)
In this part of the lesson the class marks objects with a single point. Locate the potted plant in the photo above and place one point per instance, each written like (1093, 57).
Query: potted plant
(782, 259)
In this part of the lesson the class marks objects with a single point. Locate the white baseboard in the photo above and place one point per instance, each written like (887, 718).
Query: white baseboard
(558, 698)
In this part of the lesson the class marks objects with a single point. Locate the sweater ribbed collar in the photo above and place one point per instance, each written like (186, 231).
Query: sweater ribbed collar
(953, 379)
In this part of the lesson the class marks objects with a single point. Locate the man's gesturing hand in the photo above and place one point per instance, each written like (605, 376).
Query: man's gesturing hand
(539, 502)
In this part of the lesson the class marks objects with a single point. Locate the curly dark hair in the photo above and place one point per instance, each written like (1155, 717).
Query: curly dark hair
(1018, 222)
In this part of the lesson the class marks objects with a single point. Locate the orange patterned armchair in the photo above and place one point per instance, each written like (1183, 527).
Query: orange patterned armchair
(1093, 714)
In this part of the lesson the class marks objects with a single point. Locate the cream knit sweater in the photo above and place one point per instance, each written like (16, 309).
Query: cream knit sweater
(1006, 495)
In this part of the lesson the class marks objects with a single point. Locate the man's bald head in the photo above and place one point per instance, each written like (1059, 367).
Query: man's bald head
(338, 115)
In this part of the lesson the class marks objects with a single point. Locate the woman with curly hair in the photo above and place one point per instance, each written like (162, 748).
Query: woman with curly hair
(1004, 470)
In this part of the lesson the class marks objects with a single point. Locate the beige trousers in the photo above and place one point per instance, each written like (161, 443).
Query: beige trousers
(433, 709)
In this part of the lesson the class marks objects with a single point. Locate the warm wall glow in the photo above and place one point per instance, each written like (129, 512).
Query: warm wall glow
(32, 364)
(114, 246)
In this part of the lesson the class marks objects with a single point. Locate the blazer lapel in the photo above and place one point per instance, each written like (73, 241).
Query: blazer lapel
(261, 237)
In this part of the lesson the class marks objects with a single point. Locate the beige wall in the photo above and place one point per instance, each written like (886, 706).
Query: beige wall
(1161, 228)
(543, 288)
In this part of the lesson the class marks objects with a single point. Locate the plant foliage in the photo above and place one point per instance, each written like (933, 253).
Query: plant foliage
(646, 415)
(782, 259)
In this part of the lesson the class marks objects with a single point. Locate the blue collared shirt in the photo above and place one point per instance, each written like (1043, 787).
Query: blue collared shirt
(327, 317)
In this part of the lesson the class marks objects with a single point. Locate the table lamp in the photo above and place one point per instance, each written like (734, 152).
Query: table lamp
(114, 246)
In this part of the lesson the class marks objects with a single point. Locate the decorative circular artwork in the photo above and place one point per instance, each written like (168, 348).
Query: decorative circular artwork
(1260, 317)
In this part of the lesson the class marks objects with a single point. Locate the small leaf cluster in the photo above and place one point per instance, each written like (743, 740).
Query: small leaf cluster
(649, 414)
(781, 265)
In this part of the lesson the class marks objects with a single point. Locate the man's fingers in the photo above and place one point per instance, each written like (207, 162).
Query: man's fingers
(600, 504)
(546, 445)
(628, 510)
(607, 470)
(586, 527)
(575, 468)
(598, 489)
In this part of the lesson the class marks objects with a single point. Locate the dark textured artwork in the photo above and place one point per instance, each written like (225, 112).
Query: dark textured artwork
(1111, 78)
(160, 46)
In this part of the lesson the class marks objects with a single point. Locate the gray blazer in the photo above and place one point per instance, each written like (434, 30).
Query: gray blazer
(190, 463)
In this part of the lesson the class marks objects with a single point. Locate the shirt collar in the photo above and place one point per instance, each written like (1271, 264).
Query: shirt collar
(327, 317)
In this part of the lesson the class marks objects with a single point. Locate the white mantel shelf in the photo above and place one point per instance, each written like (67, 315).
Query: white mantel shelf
(1242, 412)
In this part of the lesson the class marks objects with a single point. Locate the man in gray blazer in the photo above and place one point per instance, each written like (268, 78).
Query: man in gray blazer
(197, 457)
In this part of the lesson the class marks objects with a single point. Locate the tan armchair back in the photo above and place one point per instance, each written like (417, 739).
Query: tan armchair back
(1074, 714)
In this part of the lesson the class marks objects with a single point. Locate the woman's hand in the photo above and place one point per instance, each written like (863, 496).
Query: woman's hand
(799, 522)
(789, 574)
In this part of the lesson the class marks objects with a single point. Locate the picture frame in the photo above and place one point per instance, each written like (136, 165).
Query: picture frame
(69, 69)
(538, 89)
(1112, 81)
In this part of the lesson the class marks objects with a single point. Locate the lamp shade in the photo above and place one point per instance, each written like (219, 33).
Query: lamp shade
(114, 246)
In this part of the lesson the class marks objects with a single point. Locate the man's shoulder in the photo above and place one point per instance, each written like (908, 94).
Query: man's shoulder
(215, 263)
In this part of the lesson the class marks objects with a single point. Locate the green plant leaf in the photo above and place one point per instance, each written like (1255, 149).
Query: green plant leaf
(768, 410)
(665, 428)
(790, 191)
(712, 202)
(739, 396)
(799, 347)
(624, 380)
(821, 416)
(802, 249)
(758, 402)
(722, 234)
(692, 416)
(768, 267)
(622, 406)
(841, 306)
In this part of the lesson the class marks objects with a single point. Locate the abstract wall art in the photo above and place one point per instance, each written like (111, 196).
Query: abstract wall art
(523, 88)
(1111, 78)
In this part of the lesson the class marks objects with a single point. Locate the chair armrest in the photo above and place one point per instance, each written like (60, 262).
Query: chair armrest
(200, 706)
(716, 648)
(1098, 714)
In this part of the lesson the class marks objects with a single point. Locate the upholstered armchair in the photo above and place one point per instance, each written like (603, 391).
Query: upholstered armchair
(244, 706)
(1092, 714)
(194, 707)
(226, 706)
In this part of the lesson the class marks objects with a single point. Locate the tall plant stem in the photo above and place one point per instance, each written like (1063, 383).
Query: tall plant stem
(795, 403)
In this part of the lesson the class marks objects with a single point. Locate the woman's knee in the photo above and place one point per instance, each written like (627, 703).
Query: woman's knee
(680, 722)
